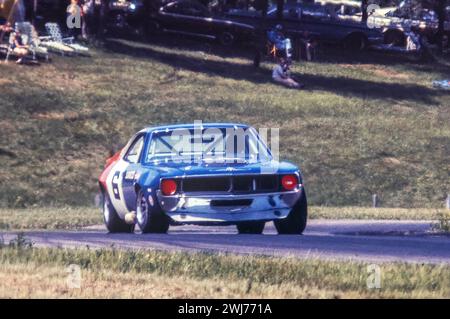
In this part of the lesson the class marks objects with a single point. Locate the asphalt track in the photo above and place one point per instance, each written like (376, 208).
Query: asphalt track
(368, 241)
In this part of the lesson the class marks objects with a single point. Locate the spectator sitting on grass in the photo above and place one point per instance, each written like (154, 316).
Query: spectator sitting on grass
(18, 47)
(281, 74)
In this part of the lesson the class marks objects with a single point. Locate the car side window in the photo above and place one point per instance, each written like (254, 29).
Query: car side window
(173, 8)
(135, 150)
(292, 13)
(191, 10)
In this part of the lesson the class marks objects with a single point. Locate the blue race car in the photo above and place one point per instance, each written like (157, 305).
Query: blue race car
(207, 174)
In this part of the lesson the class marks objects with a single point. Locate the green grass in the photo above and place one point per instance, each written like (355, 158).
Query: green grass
(367, 123)
(78, 217)
(317, 212)
(49, 218)
(291, 276)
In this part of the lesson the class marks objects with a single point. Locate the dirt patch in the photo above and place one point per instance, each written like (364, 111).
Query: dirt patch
(5, 81)
(390, 74)
(391, 161)
(378, 71)
(6, 126)
(61, 116)
(403, 109)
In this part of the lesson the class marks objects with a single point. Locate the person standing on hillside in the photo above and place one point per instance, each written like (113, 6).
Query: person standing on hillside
(88, 16)
(73, 12)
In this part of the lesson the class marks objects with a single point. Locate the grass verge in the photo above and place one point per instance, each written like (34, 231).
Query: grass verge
(49, 218)
(43, 272)
(78, 217)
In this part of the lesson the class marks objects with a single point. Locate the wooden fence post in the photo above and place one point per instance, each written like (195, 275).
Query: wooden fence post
(375, 201)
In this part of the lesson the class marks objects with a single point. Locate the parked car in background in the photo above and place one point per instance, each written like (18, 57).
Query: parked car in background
(213, 174)
(187, 17)
(394, 20)
(317, 21)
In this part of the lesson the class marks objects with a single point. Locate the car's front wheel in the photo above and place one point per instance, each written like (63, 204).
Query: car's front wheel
(113, 222)
(355, 42)
(295, 222)
(250, 227)
(150, 218)
(226, 38)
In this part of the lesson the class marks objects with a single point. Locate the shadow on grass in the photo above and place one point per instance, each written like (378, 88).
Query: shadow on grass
(384, 58)
(339, 85)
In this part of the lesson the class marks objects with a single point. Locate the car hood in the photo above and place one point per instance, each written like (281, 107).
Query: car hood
(187, 169)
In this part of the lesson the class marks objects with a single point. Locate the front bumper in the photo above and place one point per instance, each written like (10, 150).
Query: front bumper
(202, 208)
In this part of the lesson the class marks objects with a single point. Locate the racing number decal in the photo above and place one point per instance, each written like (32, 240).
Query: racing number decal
(115, 185)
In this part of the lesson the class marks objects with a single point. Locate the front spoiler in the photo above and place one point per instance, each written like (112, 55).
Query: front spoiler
(197, 209)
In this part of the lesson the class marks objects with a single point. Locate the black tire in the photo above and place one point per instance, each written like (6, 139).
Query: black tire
(150, 219)
(251, 227)
(113, 222)
(226, 38)
(295, 222)
(395, 38)
(355, 42)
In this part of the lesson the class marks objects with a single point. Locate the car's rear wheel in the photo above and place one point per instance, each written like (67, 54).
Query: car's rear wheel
(295, 222)
(251, 227)
(113, 222)
(150, 218)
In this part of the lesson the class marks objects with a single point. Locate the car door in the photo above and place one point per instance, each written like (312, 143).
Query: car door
(184, 17)
(131, 172)
(170, 17)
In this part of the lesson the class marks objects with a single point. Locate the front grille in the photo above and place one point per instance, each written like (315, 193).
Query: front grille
(206, 184)
(239, 184)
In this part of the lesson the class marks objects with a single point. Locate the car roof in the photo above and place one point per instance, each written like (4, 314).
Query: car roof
(191, 126)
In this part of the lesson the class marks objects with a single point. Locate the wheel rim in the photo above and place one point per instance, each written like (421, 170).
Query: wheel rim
(142, 212)
(227, 38)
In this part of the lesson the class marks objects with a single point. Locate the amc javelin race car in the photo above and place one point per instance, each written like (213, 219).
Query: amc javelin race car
(208, 174)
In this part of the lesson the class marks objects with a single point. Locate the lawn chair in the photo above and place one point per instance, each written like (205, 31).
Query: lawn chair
(31, 39)
(55, 35)
(9, 48)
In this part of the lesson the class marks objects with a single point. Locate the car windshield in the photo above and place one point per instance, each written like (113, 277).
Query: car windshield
(211, 145)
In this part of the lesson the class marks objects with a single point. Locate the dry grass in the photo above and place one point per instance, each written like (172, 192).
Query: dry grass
(30, 281)
(50, 218)
(78, 217)
(44, 273)
(317, 212)
(376, 127)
